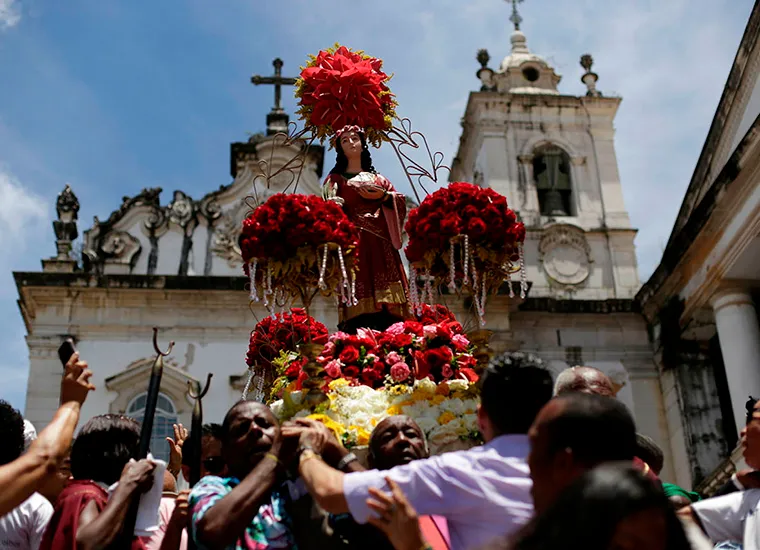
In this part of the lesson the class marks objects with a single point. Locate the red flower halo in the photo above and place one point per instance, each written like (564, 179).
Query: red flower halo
(340, 87)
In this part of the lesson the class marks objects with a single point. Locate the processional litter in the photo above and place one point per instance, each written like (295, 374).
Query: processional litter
(398, 349)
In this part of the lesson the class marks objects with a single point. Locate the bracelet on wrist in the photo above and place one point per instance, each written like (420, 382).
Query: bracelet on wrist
(275, 458)
(306, 447)
(308, 454)
(346, 460)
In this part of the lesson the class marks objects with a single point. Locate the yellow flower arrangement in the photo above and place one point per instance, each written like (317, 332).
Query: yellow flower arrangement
(445, 418)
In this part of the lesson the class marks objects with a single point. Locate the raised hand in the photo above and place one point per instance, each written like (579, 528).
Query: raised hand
(396, 517)
(181, 511)
(137, 476)
(76, 381)
(175, 451)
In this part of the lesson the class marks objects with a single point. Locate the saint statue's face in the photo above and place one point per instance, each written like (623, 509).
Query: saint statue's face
(351, 143)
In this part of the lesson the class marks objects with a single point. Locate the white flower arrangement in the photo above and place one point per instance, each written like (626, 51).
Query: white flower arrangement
(446, 412)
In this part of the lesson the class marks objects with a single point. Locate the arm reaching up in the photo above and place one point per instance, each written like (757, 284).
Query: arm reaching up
(21, 477)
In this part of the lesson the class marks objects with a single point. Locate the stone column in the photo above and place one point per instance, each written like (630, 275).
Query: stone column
(739, 335)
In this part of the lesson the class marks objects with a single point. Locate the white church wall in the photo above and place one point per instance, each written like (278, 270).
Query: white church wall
(169, 251)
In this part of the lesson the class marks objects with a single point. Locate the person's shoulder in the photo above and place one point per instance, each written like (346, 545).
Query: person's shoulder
(39, 503)
(214, 481)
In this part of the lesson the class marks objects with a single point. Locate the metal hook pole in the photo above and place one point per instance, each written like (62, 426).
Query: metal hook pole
(154, 386)
(196, 428)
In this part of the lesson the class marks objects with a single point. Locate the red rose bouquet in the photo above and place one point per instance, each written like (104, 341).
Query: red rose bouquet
(340, 87)
(439, 351)
(465, 235)
(428, 314)
(353, 357)
(405, 352)
(293, 243)
(282, 332)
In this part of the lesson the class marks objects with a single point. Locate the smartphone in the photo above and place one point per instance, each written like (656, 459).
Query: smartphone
(66, 350)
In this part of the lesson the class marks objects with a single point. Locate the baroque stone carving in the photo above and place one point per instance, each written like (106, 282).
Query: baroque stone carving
(226, 234)
(67, 205)
(119, 247)
(181, 209)
(65, 227)
(565, 255)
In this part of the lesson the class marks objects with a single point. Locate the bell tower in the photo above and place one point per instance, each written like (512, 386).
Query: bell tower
(553, 156)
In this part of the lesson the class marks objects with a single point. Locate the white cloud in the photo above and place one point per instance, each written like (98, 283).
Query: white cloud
(23, 214)
(10, 13)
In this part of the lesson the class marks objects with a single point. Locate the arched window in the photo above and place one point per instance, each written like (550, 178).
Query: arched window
(166, 415)
(551, 170)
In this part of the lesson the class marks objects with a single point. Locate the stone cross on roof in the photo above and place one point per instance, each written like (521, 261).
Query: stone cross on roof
(515, 18)
(277, 119)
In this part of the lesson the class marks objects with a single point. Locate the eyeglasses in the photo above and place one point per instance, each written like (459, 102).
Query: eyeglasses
(214, 464)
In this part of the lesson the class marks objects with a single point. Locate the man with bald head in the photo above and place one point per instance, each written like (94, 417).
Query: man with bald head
(572, 434)
(396, 440)
(584, 380)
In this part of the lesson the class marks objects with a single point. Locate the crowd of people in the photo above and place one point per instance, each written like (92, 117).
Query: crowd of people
(562, 466)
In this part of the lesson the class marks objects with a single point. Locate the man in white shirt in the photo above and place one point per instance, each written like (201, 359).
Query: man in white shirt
(735, 516)
(483, 492)
(22, 527)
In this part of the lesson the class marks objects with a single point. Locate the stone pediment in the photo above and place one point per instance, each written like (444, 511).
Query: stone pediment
(134, 379)
(189, 236)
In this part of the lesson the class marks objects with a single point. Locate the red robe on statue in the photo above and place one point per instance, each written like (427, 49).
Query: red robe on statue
(381, 283)
(61, 532)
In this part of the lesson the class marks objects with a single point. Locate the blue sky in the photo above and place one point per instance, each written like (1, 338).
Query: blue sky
(113, 96)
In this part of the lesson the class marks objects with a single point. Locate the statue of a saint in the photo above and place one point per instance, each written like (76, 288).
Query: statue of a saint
(378, 211)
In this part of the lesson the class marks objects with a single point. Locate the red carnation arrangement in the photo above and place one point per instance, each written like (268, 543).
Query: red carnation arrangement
(465, 234)
(293, 243)
(283, 332)
(341, 87)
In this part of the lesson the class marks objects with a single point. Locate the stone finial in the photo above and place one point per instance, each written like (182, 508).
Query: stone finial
(483, 57)
(484, 74)
(67, 205)
(65, 229)
(589, 78)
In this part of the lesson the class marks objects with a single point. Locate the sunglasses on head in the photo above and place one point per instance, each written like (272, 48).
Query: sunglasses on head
(214, 464)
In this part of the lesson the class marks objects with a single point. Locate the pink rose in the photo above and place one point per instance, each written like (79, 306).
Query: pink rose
(460, 341)
(395, 329)
(447, 372)
(400, 372)
(329, 348)
(430, 331)
(337, 336)
(365, 333)
(392, 358)
(333, 369)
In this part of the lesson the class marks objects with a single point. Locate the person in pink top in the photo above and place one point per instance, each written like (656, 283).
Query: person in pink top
(172, 518)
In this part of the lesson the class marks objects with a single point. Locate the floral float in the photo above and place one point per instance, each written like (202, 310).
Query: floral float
(446, 412)
(425, 371)
(287, 244)
(340, 87)
(466, 237)
(298, 246)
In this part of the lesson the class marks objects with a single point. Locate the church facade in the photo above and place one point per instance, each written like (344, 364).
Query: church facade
(173, 262)
(702, 299)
